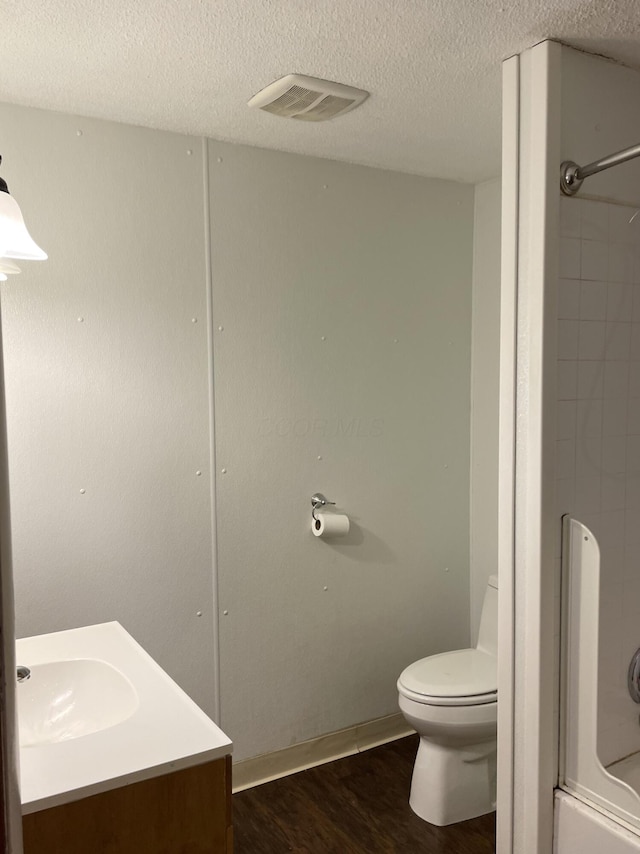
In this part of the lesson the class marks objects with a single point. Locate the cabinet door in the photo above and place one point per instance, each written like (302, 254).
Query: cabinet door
(186, 812)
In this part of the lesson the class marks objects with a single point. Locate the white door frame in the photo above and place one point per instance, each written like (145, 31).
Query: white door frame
(527, 735)
(506, 459)
(11, 825)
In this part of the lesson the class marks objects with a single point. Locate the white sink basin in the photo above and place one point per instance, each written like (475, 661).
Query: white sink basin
(97, 713)
(70, 699)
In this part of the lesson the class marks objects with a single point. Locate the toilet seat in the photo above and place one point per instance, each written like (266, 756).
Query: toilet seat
(430, 700)
(464, 677)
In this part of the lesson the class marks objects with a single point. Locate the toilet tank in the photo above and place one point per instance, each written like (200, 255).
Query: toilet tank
(488, 634)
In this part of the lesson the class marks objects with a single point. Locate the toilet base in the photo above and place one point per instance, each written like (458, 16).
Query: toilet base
(452, 784)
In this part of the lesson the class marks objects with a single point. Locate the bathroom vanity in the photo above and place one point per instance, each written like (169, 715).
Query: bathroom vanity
(115, 757)
(186, 811)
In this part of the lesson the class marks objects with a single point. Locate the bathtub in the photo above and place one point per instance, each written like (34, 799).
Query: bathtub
(580, 828)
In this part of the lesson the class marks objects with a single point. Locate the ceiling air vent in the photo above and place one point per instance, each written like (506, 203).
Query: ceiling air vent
(307, 98)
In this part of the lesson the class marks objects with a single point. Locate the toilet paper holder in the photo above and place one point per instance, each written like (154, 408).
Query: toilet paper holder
(318, 501)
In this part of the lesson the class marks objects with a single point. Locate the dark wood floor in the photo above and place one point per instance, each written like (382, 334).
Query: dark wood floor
(357, 805)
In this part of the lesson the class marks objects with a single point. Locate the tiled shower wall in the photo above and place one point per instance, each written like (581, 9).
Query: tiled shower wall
(598, 434)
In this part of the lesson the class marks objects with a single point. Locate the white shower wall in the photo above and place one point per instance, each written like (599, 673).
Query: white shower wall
(598, 433)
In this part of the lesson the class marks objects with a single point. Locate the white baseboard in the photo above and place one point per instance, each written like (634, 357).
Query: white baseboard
(317, 751)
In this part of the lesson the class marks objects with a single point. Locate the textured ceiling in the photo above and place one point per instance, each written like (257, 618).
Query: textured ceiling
(432, 67)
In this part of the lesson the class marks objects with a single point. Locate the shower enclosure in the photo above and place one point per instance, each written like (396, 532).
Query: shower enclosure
(598, 492)
(571, 547)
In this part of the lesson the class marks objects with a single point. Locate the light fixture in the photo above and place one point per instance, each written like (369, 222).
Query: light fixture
(15, 240)
(8, 267)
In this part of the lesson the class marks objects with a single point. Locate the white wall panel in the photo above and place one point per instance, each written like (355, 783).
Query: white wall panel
(107, 387)
(344, 297)
(485, 376)
(342, 365)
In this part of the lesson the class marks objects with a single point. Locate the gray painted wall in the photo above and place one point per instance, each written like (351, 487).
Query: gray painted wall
(115, 404)
(485, 394)
(344, 294)
(377, 263)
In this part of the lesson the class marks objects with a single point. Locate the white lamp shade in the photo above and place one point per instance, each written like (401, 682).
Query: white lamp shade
(15, 240)
(8, 267)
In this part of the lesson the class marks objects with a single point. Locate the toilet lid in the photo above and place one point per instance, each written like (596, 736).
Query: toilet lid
(461, 673)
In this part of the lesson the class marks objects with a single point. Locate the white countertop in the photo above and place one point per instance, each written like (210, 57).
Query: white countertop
(165, 733)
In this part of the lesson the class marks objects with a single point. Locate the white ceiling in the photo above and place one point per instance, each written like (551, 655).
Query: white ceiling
(432, 67)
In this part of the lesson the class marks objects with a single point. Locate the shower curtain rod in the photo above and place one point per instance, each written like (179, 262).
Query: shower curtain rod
(572, 175)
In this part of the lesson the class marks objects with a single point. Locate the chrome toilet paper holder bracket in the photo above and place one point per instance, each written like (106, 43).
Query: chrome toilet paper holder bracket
(317, 502)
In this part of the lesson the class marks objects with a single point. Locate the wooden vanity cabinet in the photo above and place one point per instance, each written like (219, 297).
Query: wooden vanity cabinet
(184, 812)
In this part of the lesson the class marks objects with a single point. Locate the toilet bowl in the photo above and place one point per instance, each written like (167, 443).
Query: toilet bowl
(451, 700)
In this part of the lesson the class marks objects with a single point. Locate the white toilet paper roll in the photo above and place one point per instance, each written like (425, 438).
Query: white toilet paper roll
(330, 525)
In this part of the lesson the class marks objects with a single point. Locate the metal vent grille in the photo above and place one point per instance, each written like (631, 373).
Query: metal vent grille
(326, 109)
(292, 101)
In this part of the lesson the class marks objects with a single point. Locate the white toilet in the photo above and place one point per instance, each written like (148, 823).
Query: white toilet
(451, 700)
